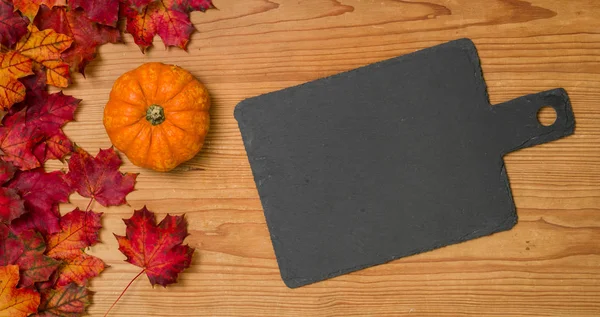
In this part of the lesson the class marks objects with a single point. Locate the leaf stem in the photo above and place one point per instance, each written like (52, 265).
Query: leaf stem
(89, 205)
(123, 292)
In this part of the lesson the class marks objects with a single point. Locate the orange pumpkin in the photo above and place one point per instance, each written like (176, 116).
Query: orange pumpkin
(157, 115)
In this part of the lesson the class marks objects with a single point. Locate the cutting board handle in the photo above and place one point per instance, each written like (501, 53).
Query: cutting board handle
(524, 129)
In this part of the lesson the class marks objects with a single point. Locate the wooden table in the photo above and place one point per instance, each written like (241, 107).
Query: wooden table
(548, 265)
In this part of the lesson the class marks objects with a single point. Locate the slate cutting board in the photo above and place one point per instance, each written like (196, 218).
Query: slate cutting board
(388, 160)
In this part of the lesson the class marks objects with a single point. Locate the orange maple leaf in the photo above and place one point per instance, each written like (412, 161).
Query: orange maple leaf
(79, 230)
(30, 8)
(11, 91)
(46, 47)
(15, 302)
(78, 269)
(13, 65)
(35, 49)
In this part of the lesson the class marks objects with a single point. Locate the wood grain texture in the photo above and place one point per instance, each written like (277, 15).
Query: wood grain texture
(548, 265)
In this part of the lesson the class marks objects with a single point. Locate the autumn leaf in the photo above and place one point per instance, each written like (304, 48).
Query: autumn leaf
(78, 230)
(7, 171)
(45, 47)
(57, 73)
(102, 11)
(33, 134)
(67, 301)
(173, 27)
(15, 302)
(55, 147)
(51, 112)
(79, 269)
(35, 84)
(12, 24)
(11, 248)
(34, 266)
(86, 34)
(34, 50)
(99, 177)
(11, 91)
(42, 192)
(27, 251)
(11, 205)
(29, 8)
(156, 248)
(167, 18)
(16, 141)
(13, 66)
(48, 113)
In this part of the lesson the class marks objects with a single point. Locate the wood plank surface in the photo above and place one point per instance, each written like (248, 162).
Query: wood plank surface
(548, 265)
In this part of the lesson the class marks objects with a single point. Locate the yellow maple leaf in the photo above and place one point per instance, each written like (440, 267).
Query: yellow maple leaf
(13, 65)
(36, 49)
(11, 91)
(57, 73)
(79, 269)
(15, 302)
(43, 45)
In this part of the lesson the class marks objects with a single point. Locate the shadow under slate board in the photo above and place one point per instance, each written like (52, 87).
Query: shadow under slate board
(388, 160)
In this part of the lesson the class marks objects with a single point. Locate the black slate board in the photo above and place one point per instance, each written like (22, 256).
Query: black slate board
(388, 160)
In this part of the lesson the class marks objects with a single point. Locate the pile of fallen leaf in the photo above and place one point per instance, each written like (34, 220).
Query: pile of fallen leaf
(44, 269)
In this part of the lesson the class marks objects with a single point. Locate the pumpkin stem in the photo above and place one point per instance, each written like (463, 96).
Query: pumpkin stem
(155, 114)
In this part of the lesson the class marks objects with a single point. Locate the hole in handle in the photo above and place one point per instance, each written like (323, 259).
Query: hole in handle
(546, 116)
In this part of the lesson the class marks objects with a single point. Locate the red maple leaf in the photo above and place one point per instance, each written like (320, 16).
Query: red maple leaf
(49, 115)
(31, 132)
(55, 147)
(41, 192)
(11, 205)
(7, 171)
(12, 24)
(16, 142)
(167, 18)
(86, 34)
(102, 11)
(11, 248)
(173, 27)
(26, 250)
(33, 264)
(69, 301)
(49, 112)
(99, 177)
(156, 248)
